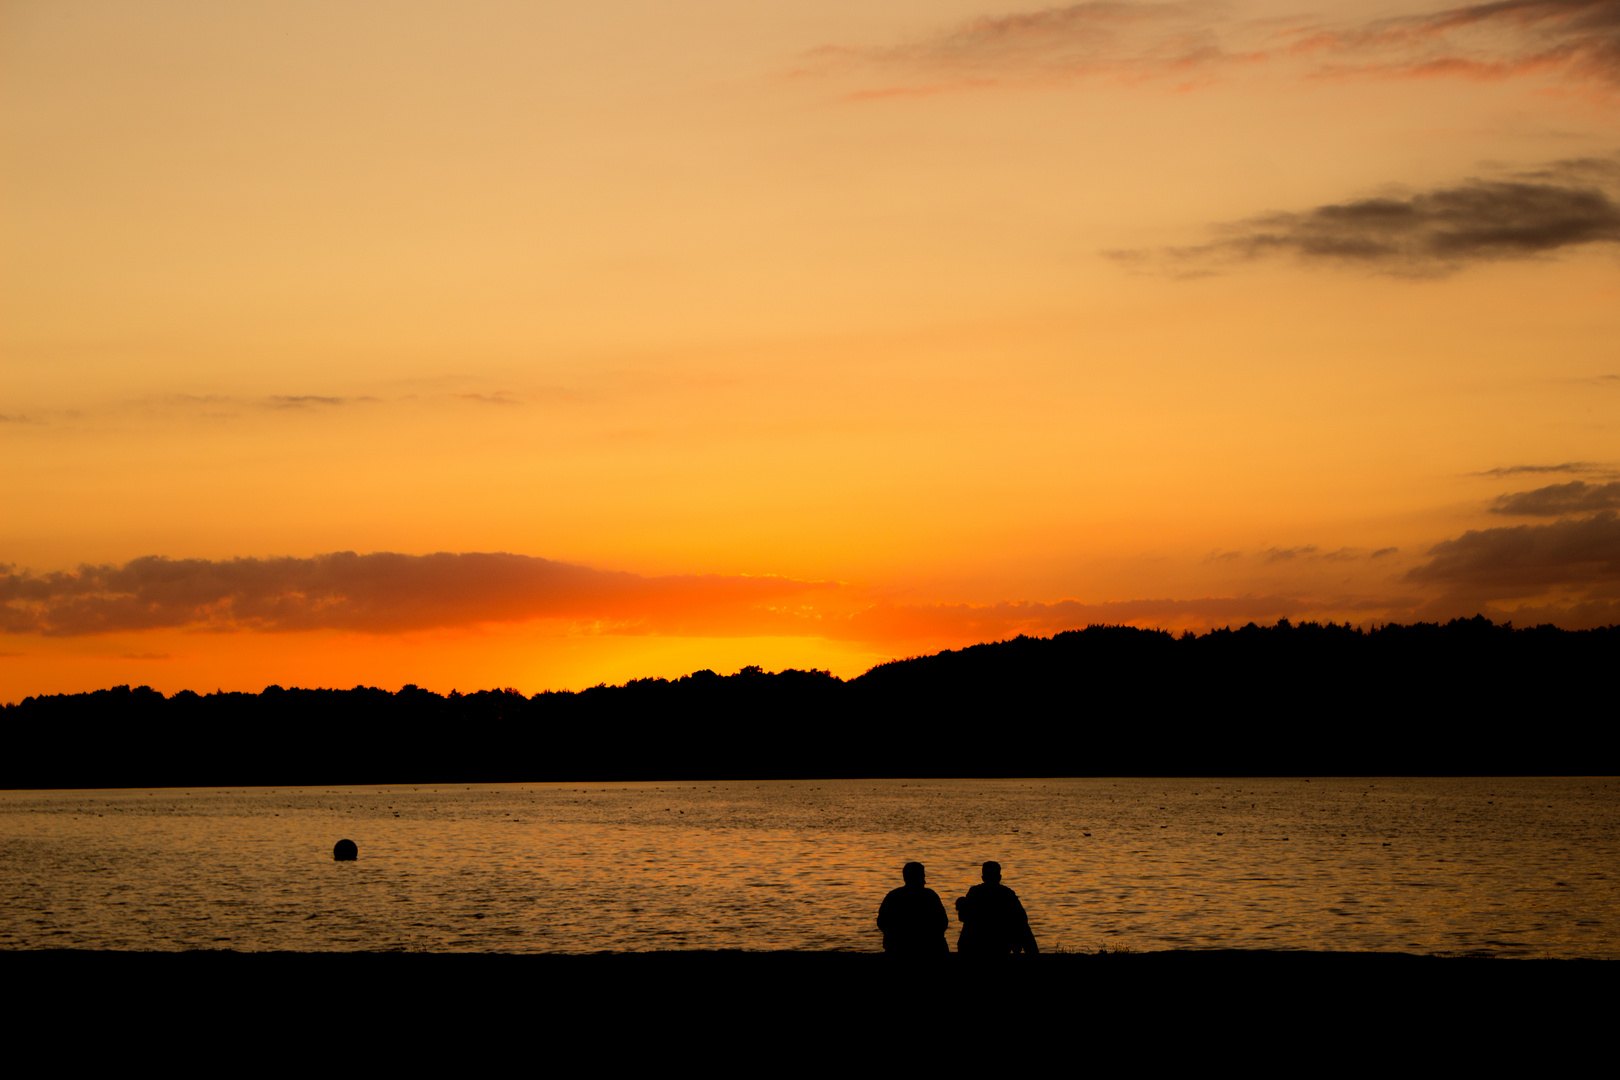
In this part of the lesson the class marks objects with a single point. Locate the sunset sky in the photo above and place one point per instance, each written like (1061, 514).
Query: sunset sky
(536, 345)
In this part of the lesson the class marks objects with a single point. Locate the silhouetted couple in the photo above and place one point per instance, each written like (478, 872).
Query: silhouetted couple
(913, 920)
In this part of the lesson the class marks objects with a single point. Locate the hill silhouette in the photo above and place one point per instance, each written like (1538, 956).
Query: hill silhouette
(1464, 698)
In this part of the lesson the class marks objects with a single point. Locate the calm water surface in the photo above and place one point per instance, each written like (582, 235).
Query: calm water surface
(1513, 867)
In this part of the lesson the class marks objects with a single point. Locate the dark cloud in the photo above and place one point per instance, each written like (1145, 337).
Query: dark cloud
(1381, 552)
(1277, 554)
(384, 593)
(1526, 560)
(389, 593)
(1424, 234)
(1555, 500)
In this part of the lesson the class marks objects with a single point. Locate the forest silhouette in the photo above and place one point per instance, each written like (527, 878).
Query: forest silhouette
(1468, 697)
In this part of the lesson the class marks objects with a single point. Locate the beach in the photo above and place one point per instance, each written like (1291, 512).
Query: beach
(1257, 1010)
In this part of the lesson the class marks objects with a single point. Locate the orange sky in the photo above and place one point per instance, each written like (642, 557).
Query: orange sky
(640, 338)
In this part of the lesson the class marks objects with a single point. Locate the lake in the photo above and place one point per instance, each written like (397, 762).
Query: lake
(1501, 866)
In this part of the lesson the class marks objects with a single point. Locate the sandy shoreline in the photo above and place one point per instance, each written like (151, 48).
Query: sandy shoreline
(400, 1006)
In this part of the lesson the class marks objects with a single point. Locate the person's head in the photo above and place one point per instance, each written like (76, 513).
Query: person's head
(912, 873)
(991, 872)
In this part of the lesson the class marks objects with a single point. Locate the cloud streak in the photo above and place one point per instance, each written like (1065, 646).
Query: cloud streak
(499, 397)
(1566, 467)
(313, 401)
(1556, 500)
(386, 593)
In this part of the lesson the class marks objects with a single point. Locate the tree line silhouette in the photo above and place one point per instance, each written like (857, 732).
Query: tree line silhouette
(1467, 697)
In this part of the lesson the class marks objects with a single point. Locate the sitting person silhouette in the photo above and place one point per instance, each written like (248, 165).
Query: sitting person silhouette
(993, 921)
(912, 918)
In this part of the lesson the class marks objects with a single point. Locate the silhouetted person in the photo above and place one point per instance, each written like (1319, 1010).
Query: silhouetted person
(912, 918)
(993, 921)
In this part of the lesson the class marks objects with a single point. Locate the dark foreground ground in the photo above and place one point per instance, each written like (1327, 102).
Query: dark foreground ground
(796, 1013)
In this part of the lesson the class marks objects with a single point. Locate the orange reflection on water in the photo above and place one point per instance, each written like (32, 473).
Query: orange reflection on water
(1514, 867)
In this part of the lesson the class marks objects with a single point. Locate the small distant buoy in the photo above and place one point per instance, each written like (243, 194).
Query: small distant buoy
(345, 851)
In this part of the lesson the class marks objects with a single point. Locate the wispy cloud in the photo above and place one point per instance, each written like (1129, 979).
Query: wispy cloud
(1575, 42)
(1556, 500)
(1426, 233)
(1125, 40)
(387, 593)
